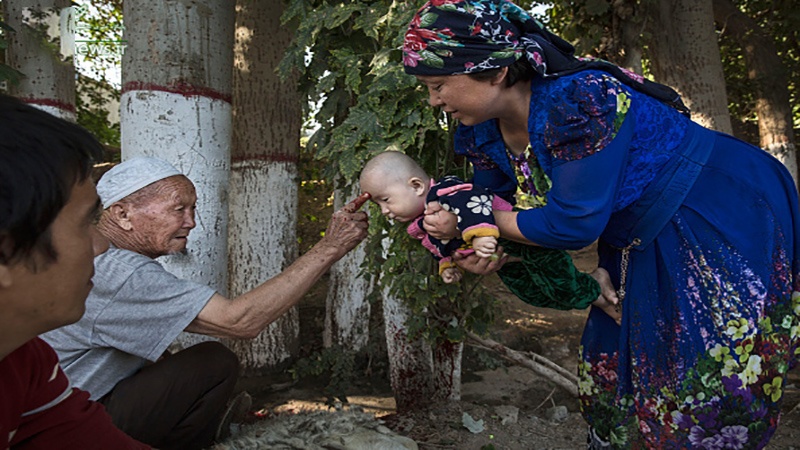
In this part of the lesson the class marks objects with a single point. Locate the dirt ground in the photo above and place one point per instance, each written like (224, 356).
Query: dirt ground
(516, 408)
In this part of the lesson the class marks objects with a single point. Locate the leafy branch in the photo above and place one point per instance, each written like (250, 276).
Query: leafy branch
(347, 57)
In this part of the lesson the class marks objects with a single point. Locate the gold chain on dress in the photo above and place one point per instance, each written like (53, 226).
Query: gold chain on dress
(623, 272)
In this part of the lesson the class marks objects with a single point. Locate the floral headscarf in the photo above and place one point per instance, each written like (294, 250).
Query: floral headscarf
(449, 37)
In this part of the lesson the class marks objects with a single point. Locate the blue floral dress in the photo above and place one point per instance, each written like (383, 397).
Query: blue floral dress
(708, 228)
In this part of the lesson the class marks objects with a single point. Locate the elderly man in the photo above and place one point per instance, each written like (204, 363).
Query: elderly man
(137, 308)
(48, 206)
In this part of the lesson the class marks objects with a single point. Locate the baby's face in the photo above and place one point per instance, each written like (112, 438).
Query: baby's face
(398, 201)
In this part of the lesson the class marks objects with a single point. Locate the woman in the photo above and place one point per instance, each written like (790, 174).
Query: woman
(698, 230)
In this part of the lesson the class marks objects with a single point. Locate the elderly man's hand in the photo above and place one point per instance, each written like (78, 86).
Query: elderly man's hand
(348, 226)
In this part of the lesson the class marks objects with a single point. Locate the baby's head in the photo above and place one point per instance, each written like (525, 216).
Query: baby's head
(397, 184)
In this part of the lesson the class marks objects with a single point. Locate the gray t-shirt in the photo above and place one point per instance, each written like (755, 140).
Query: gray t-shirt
(133, 313)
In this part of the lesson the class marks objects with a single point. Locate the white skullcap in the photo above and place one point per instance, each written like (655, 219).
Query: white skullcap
(128, 177)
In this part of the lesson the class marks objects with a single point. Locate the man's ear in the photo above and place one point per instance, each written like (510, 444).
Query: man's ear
(418, 186)
(5, 266)
(120, 214)
(6, 280)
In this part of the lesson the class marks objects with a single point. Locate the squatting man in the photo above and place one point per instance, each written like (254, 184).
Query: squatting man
(137, 308)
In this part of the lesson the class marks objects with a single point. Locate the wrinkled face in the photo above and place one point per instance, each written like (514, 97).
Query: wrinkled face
(55, 294)
(466, 99)
(398, 201)
(163, 219)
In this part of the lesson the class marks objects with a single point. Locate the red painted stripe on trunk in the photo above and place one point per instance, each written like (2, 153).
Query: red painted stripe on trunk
(185, 89)
(50, 102)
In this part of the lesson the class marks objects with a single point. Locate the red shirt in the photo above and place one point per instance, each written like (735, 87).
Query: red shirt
(39, 410)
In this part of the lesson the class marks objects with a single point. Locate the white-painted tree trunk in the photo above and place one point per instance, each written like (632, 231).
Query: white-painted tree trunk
(263, 190)
(263, 215)
(420, 373)
(786, 153)
(447, 371)
(49, 82)
(176, 105)
(347, 308)
(410, 361)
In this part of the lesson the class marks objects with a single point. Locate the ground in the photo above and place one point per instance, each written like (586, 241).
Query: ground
(546, 417)
(518, 409)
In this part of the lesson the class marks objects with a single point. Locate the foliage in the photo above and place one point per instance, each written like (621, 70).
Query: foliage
(99, 42)
(778, 18)
(586, 23)
(335, 362)
(7, 73)
(98, 22)
(91, 100)
(98, 50)
(348, 57)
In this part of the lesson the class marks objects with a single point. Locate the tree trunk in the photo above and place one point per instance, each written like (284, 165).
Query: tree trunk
(263, 197)
(627, 24)
(49, 82)
(176, 105)
(685, 55)
(420, 373)
(410, 361)
(765, 68)
(447, 371)
(347, 309)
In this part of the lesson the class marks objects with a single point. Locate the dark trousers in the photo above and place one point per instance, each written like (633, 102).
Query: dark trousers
(178, 401)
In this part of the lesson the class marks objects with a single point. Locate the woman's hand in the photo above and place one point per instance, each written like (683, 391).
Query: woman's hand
(480, 266)
(608, 300)
(439, 223)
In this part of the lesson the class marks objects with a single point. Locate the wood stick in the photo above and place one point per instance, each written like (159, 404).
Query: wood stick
(540, 365)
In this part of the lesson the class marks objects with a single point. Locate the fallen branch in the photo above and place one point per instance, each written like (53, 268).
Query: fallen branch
(540, 365)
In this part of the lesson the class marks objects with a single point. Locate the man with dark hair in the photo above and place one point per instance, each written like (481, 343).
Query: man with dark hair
(48, 206)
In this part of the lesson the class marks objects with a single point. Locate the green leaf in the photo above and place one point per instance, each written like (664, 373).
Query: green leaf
(597, 7)
(11, 75)
(502, 55)
(7, 27)
(431, 59)
(427, 19)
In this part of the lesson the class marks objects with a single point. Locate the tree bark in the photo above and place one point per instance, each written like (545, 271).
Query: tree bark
(49, 82)
(447, 371)
(765, 68)
(176, 105)
(347, 309)
(685, 55)
(410, 361)
(421, 373)
(263, 197)
(626, 26)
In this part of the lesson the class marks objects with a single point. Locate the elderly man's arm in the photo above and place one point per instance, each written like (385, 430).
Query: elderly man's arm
(248, 314)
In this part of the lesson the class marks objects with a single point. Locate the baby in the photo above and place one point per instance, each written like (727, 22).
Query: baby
(402, 189)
